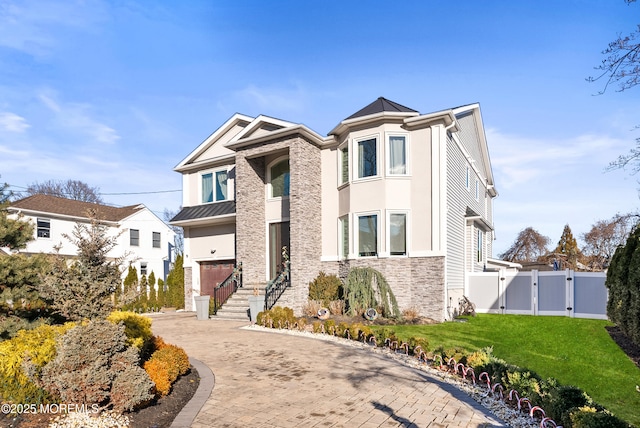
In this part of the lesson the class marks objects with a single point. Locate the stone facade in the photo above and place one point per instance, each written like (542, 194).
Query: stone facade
(304, 215)
(188, 290)
(417, 282)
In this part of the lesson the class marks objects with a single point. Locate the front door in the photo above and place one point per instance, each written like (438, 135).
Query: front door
(278, 238)
(212, 274)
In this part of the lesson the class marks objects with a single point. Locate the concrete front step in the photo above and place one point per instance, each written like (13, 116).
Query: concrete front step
(237, 306)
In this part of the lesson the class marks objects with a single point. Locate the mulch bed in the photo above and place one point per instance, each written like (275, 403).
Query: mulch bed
(160, 414)
(631, 349)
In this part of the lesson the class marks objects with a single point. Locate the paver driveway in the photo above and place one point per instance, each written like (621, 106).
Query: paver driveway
(269, 379)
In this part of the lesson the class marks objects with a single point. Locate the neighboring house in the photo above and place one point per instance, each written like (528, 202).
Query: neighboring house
(144, 240)
(408, 194)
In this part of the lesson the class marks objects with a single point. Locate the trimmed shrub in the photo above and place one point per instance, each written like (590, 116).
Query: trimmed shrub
(137, 328)
(329, 326)
(165, 366)
(589, 417)
(479, 359)
(563, 400)
(421, 342)
(325, 288)
(527, 383)
(383, 334)
(94, 365)
(21, 361)
(276, 317)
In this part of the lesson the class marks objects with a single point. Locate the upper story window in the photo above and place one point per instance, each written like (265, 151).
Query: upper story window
(44, 228)
(397, 155)
(143, 268)
(477, 190)
(344, 164)
(367, 154)
(279, 179)
(468, 179)
(156, 239)
(368, 235)
(134, 237)
(214, 186)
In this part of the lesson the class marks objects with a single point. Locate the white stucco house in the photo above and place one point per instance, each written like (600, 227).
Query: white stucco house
(406, 193)
(144, 239)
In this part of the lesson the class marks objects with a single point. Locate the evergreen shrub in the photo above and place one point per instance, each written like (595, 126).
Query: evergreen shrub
(33, 349)
(94, 365)
(165, 366)
(325, 288)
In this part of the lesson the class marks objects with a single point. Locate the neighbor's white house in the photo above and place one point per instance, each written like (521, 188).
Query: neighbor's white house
(406, 193)
(144, 239)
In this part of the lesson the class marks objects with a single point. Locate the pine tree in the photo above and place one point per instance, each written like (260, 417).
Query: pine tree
(84, 289)
(153, 295)
(143, 300)
(568, 248)
(175, 284)
(162, 294)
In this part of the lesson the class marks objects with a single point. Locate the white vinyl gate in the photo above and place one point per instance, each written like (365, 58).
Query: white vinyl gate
(561, 293)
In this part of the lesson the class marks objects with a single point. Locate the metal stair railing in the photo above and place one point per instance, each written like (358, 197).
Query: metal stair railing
(276, 287)
(226, 288)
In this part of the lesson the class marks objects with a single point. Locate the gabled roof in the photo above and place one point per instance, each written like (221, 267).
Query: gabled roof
(46, 204)
(381, 105)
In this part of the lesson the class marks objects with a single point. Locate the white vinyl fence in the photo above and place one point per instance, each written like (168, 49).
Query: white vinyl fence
(564, 293)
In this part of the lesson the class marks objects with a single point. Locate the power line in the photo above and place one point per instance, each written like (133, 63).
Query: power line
(110, 194)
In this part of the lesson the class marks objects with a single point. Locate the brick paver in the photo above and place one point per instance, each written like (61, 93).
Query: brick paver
(268, 379)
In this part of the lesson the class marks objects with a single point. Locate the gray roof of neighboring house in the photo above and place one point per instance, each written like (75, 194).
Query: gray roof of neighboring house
(70, 207)
(205, 211)
(381, 105)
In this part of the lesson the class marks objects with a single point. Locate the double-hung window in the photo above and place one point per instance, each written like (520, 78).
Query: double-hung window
(44, 228)
(214, 186)
(156, 239)
(480, 245)
(398, 234)
(367, 154)
(134, 237)
(368, 235)
(397, 155)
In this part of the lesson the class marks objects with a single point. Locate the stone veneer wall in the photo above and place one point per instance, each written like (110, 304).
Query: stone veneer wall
(417, 282)
(188, 290)
(304, 215)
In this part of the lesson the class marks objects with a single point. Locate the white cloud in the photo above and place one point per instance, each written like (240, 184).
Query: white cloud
(77, 117)
(11, 122)
(273, 99)
(32, 26)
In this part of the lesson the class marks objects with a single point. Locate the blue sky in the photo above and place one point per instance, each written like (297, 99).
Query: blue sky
(116, 93)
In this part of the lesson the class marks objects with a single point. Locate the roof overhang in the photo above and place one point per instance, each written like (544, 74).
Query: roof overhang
(446, 117)
(366, 120)
(302, 130)
(205, 221)
(207, 163)
(48, 214)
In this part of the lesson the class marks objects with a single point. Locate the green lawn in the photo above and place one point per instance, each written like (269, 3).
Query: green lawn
(575, 351)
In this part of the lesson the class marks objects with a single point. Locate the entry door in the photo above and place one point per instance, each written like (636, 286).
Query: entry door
(212, 274)
(278, 238)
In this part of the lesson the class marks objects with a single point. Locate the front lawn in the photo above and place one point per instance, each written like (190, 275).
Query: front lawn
(575, 351)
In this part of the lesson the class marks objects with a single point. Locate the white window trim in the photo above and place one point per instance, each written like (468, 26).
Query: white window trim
(43, 219)
(355, 232)
(268, 176)
(407, 232)
(477, 190)
(230, 189)
(479, 246)
(340, 148)
(348, 255)
(354, 166)
(468, 179)
(387, 166)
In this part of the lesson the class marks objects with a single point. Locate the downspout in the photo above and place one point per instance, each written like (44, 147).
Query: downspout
(448, 310)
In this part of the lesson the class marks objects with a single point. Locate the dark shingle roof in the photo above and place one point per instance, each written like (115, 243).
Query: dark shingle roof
(56, 205)
(381, 105)
(205, 211)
